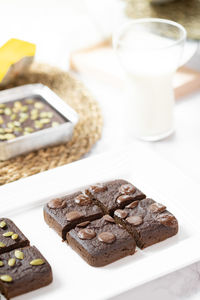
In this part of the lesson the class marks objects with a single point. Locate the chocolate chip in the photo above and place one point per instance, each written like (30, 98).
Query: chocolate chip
(108, 219)
(57, 203)
(121, 213)
(124, 198)
(98, 188)
(83, 199)
(127, 189)
(106, 237)
(86, 234)
(73, 215)
(167, 220)
(157, 207)
(132, 204)
(134, 220)
(120, 225)
(87, 192)
(83, 224)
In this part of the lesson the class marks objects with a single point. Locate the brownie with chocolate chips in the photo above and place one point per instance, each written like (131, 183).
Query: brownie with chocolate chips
(101, 242)
(148, 221)
(10, 236)
(115, 194)
(62, 214)
(23, 270)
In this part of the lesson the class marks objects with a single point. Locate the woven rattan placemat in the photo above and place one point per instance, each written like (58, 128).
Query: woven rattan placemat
(185, 12)
(86, 133)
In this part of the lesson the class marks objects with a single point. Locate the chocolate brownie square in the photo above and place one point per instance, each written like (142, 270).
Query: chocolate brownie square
(148, 221)
(115, 194)
(62, 214)
(10, 236)
(23, 270)
(101, 241)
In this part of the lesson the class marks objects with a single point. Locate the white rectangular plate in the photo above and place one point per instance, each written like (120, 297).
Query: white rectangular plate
(73, 278)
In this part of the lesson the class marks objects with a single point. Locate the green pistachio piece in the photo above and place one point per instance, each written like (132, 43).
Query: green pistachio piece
(1, 263)
(9, 136)
(43, 114)
(10, 125)
(13, 117)
(8, 234)
(17, 123)
(39, 105)
(29, 101)
(2, 224)
(37, 262)
(8, 130)
(2, 137)
(49, 114)
(21, 120)
(19, 254)
(18, 104)
(2, 245)
(7, 111)
(28, 129)
(14, 236)
(23, 115)
(45, 121)
(38, 124)
(34, 111)
(2, 130)
(34, 117)
(11, 262)
(6, 278)
(17, 129)
(54, 124)
(15, 110)
(24, 108)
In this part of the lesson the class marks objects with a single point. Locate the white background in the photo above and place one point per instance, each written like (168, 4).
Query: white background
(61, 26)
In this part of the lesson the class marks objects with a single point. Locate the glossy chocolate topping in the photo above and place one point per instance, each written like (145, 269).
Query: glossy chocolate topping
(73, 215)
(86, 234)
(83, 200)
(134, 220)
(124, 198)
(127, 189)
(106, 237)
(121, 213)
(157, 207)
(57, 203)
(132, 205)
(108, 218)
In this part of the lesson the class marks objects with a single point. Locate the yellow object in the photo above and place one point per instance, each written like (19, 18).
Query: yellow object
(15, 55)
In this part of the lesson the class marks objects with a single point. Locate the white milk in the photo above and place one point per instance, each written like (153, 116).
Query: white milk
(150, 105)
(149, 64)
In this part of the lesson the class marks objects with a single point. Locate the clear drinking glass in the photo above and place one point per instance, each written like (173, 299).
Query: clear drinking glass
(149, 51)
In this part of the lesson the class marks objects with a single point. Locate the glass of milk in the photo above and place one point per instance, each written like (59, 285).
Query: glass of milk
(149, 51)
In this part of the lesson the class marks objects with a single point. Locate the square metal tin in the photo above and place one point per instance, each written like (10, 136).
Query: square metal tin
(42, 138)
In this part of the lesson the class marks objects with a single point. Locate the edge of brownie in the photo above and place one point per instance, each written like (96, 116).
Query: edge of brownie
(97, 252)
(9, 243)
(22, 283)
(120, 191)
(149, 222)
(56, 217)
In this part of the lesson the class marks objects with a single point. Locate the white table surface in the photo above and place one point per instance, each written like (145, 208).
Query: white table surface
(49, 21)
(181, 149)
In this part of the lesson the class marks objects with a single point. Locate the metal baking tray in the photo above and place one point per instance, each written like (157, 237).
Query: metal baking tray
(44, 137)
